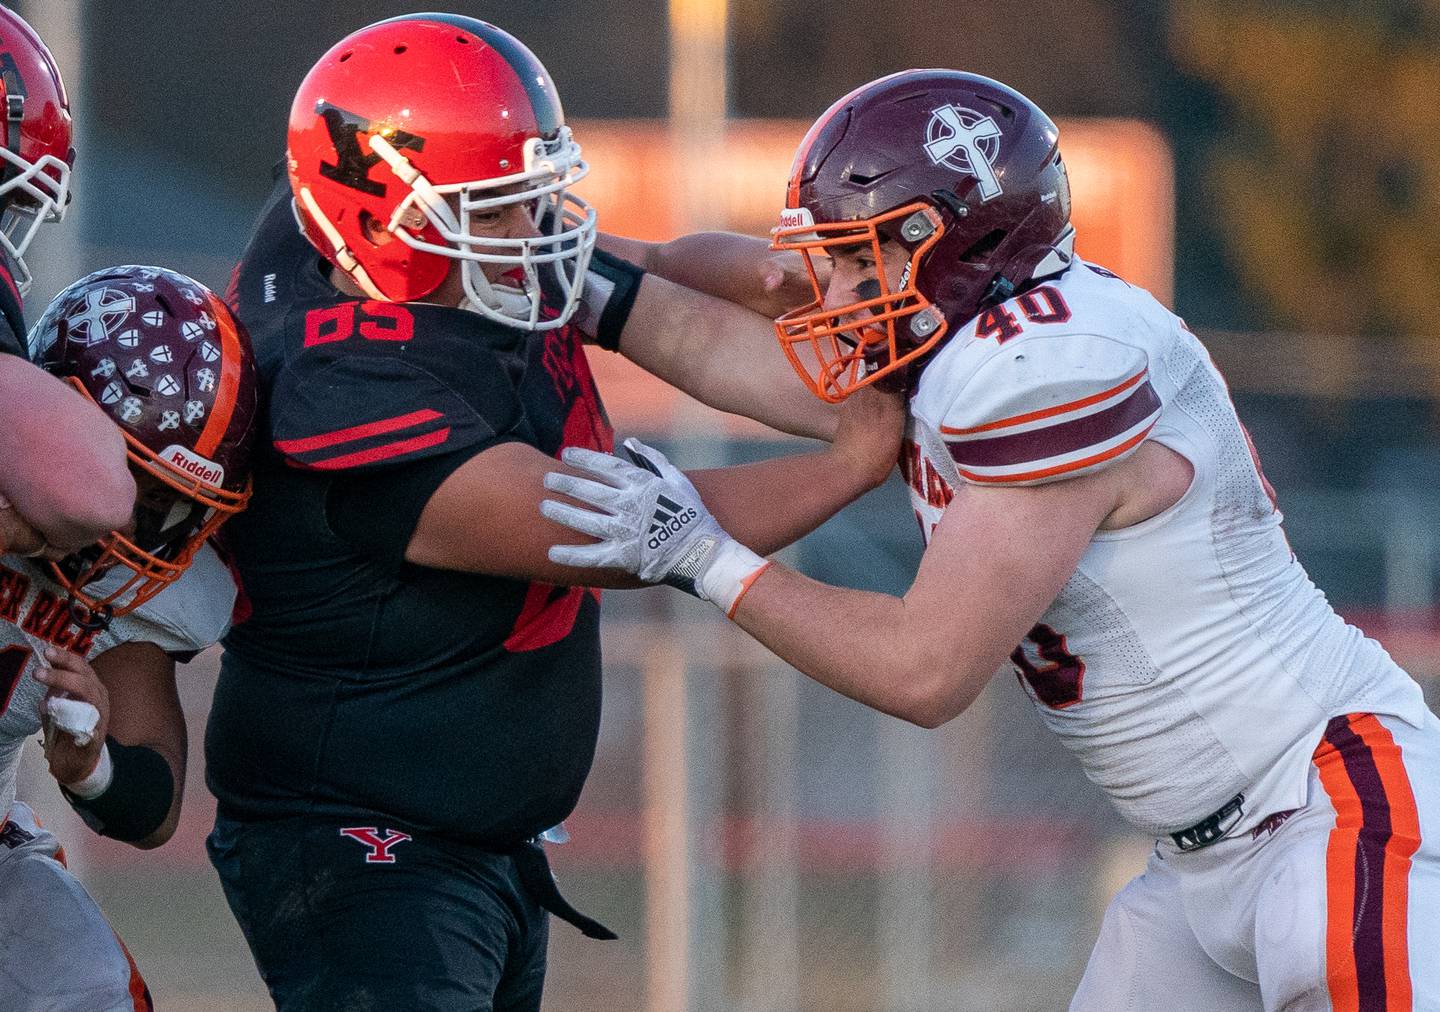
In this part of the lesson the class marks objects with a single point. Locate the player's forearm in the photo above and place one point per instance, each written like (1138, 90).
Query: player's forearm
(66, 473)
(768, 505)
(872, 649)
(722, 355)
(167, 828)
(741, 269)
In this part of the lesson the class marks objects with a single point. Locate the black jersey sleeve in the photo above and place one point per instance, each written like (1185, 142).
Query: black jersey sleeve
(377, 511)
(364, 405)
(12, 315)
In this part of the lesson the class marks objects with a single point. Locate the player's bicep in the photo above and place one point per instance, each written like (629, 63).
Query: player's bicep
(485, 518)
(997, 559)
(65, 470)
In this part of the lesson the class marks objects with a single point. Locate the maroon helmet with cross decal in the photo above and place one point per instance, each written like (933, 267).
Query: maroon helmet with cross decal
(164, 357)
(963, 174)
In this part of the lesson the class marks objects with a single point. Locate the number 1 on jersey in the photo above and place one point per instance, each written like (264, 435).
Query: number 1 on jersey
(12, 665)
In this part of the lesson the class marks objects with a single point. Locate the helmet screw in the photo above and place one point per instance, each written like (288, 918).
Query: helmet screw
(924, 324)
(916, 227)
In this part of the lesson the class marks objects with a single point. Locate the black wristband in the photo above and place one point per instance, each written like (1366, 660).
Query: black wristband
(625, 277)
(138, 798)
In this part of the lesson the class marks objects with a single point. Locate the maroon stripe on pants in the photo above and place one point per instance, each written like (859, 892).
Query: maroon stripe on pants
(1369, 861)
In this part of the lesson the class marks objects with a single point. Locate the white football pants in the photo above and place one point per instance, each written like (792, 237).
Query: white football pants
(1337, 907)
(57, 952)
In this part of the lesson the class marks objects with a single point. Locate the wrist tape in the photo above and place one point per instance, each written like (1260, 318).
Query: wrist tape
(730, 573)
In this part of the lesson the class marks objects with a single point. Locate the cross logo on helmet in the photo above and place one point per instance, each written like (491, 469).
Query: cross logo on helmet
(967, 142)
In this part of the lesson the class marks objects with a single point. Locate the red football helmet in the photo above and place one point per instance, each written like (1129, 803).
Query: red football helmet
(406, 129)
(35, 151)
(164, 357)
(963, 174)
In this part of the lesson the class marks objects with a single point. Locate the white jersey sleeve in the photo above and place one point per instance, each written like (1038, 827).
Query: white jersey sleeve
(1048, 406)
(186, 617)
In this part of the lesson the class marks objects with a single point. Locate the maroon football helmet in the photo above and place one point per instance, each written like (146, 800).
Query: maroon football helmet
(35, 151)
(963, 174)
(161, 355)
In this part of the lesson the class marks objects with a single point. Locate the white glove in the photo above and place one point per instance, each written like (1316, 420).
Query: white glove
(75, 717)
(651, 522)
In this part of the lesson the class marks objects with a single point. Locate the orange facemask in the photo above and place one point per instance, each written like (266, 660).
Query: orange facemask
(836, 354)
(152, 568)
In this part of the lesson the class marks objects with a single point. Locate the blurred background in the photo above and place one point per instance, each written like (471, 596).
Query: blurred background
(1267, 168)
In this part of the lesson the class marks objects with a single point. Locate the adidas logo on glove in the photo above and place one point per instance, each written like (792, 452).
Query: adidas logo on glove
(670, 519)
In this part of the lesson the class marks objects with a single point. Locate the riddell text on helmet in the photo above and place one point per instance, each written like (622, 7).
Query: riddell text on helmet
(194, 465)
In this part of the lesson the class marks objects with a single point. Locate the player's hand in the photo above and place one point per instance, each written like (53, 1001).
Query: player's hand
(649, 521)
(68, 677)
(871, 425)
(786, 282)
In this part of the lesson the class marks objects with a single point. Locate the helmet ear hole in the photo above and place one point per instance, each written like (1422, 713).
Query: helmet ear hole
(981, 249)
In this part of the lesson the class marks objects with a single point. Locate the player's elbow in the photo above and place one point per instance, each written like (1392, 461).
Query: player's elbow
(931, 711)
(938, 694)
(81, 512)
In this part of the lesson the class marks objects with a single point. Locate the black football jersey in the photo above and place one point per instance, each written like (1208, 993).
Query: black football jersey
(355, 681)
(12, 312)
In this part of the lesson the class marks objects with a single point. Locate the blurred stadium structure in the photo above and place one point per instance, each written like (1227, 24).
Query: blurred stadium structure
(761, 844)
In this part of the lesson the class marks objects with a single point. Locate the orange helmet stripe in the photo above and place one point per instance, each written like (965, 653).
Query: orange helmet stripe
(227, 391)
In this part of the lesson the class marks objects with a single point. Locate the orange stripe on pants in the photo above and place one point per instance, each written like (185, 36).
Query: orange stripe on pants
(1403, 843)
(1373, 755)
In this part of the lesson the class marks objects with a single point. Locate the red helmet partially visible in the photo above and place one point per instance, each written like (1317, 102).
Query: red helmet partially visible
(35, 139)
(963, 173)
(164, 357)
(407, 129)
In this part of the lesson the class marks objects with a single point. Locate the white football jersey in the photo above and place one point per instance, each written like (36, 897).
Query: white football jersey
(187, 616)
(1189, 658)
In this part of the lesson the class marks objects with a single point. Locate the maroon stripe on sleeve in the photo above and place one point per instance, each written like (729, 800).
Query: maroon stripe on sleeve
(1061, 438)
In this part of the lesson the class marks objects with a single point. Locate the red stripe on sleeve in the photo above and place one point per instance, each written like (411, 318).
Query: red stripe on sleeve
(378, 428)
(383, 452)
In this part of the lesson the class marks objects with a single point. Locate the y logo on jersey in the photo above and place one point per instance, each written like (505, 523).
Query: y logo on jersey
(670, 519)
(967, 142)
(380, 846)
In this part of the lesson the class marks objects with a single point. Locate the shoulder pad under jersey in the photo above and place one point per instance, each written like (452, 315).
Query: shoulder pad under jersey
(361, 403)
(187, 616)
(1047, 407)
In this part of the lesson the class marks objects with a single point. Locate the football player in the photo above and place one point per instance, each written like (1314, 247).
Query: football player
(64, 482)
(436, 677)
(1094, 511)
(89, 643)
